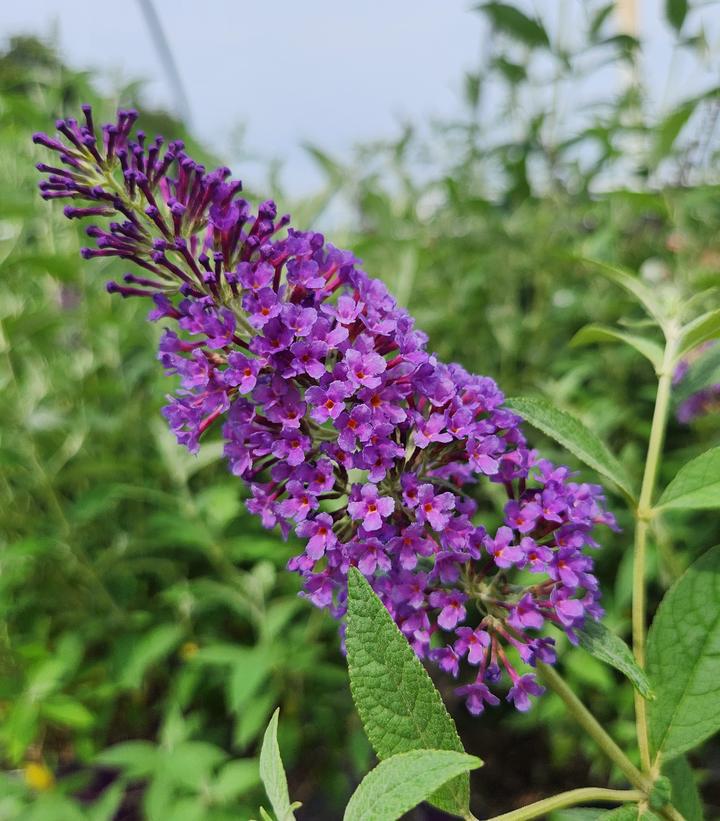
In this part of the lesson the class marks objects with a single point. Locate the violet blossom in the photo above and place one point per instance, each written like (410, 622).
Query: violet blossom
(345, 428)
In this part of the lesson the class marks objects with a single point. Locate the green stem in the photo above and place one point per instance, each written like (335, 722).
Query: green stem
(643, 516)
(593, 728)
(566, 799)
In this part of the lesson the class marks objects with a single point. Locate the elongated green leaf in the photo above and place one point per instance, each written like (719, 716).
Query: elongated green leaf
(683, 660)
(400, 783)
(572, 434)
(515, 23)
(669, 128)
(600, 17)
(685, 796)
(398, 704)
(272, 772)
(137, 759)
(610, 648)
(700, 330)
(630, 283)
(106, 807)
(601, 333)
(676, 12)
(697, 484)
(235, 778)
(149, 650)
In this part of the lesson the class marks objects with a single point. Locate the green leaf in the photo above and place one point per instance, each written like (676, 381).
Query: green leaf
(272, 772)
(660, 793)
(628, 812)
(398, 704)
(150, 649)
(573, 435)
(191, 764)
(598, 20)
(68, 712)
(400, 783)
(106, 807)
(669, 128)
(254, 717)
(137, 759)
(610, 648)
(675, 12)
(632, 284)
(235, 778)
(601, 333)
(247, 676)
(683, 660)
(515, 23)
(696, 485)
(702, 329)
(685, 795)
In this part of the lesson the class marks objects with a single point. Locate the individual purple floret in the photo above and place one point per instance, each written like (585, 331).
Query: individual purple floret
(346, 430)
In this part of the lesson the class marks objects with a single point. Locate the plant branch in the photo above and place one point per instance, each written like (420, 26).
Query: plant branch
(643, 515)
(593, 728)
(569, 799)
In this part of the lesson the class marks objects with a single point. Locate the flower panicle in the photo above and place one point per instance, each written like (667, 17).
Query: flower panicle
(347, 430)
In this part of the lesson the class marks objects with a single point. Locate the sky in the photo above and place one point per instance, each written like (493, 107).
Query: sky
(330, 72)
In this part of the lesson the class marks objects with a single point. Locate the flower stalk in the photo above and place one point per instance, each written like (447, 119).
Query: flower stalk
(571, 798)
(593, 728)
(643, 516)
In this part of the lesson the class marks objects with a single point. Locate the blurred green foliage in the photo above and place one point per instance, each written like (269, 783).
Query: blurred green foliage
(146, 625)
(147, 629)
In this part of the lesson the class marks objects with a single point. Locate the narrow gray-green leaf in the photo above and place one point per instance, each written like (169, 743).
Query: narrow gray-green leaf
(696, 485)
(152, 648)
(272, 772)
(683, 660)
(702, 329)
(398, 704)
(602, 333)
(685, 795)
(676, 12)
(610, 648)
(515, 23)
(400, 783)
(632, 284)
(573, 435)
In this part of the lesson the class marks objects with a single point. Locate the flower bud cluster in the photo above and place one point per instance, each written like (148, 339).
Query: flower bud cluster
(345, 428)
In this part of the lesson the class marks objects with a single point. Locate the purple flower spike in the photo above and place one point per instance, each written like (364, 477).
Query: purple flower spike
(345, 427)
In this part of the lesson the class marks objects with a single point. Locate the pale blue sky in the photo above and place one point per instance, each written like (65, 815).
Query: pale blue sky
(333, 72)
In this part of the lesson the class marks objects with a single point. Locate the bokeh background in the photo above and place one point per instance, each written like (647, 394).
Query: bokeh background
(473, 157)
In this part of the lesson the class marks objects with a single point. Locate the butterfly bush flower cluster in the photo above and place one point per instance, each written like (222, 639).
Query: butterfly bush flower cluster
(345, 428)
